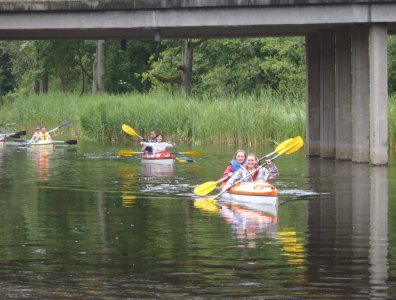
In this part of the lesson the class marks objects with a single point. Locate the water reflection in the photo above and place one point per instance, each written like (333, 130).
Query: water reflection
(347, 226)
(41, 155)
(128, 175)
(250, 224)
(156, 170)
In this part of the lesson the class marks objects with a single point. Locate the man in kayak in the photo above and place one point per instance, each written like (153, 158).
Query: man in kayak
(43, 135)
(159, 145)
(151, 139)
(250, 173)
(238, 161)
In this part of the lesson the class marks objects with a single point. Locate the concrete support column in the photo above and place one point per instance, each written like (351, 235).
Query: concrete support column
(360, 95)
(378, 95)
(313, 95)
(343, 98)
(327, 94)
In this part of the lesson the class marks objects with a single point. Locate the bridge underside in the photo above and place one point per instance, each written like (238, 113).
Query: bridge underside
(346, 75)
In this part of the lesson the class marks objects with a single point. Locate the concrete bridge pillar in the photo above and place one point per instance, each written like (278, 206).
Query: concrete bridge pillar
(313, 95)
(378, 95)
(360, 95)
(327, 94)
(343, 98)
(347, 112)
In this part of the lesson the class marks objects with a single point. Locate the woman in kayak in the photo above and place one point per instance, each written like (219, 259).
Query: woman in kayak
(36, 134)
(159, 145)
(238, 161)
(248, 173)
(43, 135)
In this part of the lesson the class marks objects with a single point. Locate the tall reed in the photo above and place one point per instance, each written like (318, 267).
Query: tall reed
(245, 119)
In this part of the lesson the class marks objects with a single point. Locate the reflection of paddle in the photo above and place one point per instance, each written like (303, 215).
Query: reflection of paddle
(206, 206)
(60, 126)
(206, 187)
(69, 142)
(192, 153)
(289, 148)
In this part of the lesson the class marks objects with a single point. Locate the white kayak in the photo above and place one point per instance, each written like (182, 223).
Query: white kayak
(257, 192)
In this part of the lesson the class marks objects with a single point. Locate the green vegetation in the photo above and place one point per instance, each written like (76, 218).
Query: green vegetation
(243, 119)
(248, 91)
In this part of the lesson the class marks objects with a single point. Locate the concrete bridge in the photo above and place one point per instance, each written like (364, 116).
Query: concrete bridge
(345, 46)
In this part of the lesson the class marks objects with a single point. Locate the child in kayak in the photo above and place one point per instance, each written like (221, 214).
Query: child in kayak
(250, 167)
(159, 145)
(238, 161)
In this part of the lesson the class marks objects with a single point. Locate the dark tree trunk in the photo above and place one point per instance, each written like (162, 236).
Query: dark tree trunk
(98, 69)
(186, 74)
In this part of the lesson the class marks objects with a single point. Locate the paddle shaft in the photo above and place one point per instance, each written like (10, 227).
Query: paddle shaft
(249, 174)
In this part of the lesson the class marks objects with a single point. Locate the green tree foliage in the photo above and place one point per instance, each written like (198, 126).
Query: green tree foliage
(232, 66)
(392, 64)
(124, 69)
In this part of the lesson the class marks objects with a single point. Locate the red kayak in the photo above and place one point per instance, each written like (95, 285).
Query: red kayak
(161, 157)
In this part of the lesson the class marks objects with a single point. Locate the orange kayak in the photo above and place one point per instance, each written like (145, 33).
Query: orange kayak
(260, 192)
(161, 157)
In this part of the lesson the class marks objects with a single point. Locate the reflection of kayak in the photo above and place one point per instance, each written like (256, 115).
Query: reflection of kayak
(162, 157)
(160, 170)
(257, 192)
(42, 143)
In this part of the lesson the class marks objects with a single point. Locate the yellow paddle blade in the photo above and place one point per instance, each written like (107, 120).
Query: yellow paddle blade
(293, 146)
(206, 205)
(129, 130)
(193, 152)
(298, 144)
(128, 152)
(282, 145)
(205, 188)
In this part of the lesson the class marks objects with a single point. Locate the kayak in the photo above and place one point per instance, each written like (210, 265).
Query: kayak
(42, 143)
(161, 157)
(257, 192)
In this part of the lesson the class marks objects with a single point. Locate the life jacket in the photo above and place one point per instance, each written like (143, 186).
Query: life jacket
(254, 176)
(235, 165)
(44, 136)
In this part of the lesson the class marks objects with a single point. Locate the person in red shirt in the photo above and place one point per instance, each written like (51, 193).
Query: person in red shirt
(238, 161)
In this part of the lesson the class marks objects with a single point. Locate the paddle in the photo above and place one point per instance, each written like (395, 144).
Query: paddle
(207, 187)
(69, 142)
(60, 126)
(14, 134)
(129, 130)
(128, 152)
(131, 152)
(291, 147)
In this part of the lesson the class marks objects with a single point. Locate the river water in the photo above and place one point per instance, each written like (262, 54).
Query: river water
(80, 222)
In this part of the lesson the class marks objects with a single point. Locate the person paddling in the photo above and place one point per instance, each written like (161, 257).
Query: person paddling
(36, 134)
(238, 161)
(43, 135)
(250, 167)
(151, 139)
(159, 145)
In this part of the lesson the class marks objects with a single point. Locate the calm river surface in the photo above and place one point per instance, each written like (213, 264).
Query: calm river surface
(80, 222)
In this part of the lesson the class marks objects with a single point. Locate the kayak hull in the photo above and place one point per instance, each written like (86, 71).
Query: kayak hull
(42, 143)
(161, 158)
(258, 192)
